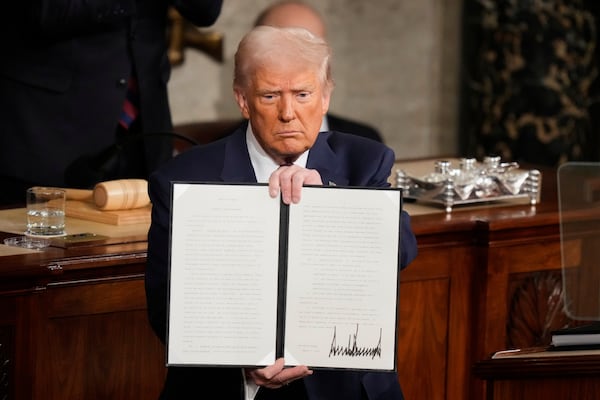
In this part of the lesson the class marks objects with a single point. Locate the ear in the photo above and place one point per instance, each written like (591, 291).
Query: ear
(326, 98)
(242, 103)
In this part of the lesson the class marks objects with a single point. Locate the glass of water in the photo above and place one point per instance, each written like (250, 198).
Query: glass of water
(45, 211)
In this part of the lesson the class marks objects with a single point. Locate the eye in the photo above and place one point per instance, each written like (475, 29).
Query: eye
(303, 96)
(268, 97)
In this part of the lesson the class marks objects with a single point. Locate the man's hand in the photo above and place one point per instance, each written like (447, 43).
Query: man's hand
(289, 180)
(275, 376)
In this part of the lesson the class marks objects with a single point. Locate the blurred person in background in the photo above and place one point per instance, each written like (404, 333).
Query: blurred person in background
(80, 84)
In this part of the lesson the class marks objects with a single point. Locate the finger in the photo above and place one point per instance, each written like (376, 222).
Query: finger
(287, 376)
(265, 376)
(284, 175)
(296, 187)
(291, 374)
(274, 183)
(301, 178)
(289, 180)
(271, 371)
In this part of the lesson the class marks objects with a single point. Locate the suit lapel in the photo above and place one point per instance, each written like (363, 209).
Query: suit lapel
(327, 162)
(237, 166)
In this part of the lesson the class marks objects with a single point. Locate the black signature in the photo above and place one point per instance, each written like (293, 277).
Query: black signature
(353, 349)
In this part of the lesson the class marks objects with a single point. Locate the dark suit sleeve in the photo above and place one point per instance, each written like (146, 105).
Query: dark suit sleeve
(157, 261)
(68, 17)
(408, 244)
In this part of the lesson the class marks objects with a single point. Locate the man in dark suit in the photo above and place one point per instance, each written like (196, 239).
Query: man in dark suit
(282, 85)
(298, 14)
(63, 83)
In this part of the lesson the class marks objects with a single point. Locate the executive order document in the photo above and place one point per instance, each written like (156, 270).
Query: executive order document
(252, 279)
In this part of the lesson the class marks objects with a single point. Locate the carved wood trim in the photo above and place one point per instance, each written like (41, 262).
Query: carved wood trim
(535, 310)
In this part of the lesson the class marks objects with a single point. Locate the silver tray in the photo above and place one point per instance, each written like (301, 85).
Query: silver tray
(471, 183)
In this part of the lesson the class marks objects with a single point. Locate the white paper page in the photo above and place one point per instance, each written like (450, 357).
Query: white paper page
(223, 298)
(343, 279)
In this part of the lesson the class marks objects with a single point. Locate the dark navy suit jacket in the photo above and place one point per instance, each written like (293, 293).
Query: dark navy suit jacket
(341, 159)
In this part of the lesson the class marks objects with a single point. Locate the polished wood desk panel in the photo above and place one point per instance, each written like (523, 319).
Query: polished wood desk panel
(75, 325)
(535, 377)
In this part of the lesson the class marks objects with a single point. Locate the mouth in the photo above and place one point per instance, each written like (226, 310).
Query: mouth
(287, 133)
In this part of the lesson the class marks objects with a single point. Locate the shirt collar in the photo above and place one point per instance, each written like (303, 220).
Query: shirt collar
(261, 162)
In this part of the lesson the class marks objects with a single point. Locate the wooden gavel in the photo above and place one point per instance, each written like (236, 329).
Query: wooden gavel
(120, 194)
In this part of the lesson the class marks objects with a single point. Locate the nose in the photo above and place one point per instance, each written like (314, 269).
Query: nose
(286, 109)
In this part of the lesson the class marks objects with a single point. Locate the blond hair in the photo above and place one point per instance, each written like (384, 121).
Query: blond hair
(264, 44)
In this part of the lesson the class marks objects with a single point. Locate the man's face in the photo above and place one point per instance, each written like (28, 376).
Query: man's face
(285, 104)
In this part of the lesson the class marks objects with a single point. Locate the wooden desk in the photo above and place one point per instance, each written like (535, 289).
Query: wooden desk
(80, 331)
(73, 325)
(542, 376)
(460, 299)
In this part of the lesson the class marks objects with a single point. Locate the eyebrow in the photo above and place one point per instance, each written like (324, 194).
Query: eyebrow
(308, 88)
